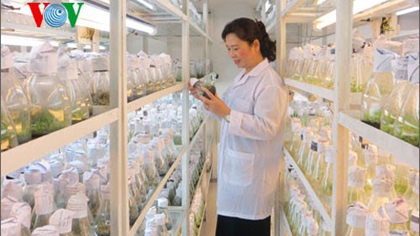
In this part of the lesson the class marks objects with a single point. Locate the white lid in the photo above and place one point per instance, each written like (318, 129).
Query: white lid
(45, 168)
(151, 232)
(21, 211)
(160, 219)
(356, 215)
(67, 67)
(411, 46)
(6, 58)
(166, 58)
(91, 180)
(383, 60)
(78, 204)
(105, 192)
(371, 155)
(329, 154)
(44, 199)
(163, 202)
(151, 223)
(6, 206)
(100, 63)
(382, 185)
(312, 227)
(10, 227)
(386, 170)
(48, 230)
(353, 158)
(43, 59)
(57, 167)
(33, 175)
(377, 224)
(74, 189)
(357, 177)
(71, 175)
(414, 221)
(62, 219)
(13, 188)
(397, 211)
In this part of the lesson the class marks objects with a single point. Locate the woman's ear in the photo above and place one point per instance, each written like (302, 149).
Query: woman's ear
(256, 45)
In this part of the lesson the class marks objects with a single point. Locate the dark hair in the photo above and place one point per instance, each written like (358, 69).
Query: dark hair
(249, 30)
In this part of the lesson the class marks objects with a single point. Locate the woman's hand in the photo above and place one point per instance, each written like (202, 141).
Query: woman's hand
(215, 104)
(193, 91)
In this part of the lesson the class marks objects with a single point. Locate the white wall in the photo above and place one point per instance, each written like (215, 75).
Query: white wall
(136, 43)
(222, 64)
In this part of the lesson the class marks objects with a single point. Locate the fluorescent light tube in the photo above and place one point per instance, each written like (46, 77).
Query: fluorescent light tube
(146, 4)
(98, 18)
(358, 6)
(406, 11)
(24, 41)
(320, 2)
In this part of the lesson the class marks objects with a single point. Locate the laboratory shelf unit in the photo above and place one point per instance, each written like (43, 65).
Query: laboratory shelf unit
(313, 89)
(401, 150)
(113, 25)
(344, 16)
(308, 187)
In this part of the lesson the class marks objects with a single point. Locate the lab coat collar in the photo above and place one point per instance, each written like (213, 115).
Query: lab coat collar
(253, 73)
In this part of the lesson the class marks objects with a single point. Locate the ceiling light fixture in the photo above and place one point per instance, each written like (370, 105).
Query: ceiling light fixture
(25, 41)
(408, 10)
(358, 6)
(147, 4)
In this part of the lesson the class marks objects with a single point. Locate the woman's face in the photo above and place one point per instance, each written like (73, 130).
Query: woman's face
(242, 54)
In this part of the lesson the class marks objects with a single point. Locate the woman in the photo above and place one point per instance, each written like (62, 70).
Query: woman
(252, 112)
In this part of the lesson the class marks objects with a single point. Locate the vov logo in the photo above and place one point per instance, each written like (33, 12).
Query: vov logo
(55, 15)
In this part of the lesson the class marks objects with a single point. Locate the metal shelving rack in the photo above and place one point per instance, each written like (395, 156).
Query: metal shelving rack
(117, 114)
(345, 120)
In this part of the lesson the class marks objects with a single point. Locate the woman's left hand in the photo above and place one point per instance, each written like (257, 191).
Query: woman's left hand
(215, 104)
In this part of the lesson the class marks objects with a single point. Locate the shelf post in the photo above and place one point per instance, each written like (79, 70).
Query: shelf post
(344, 28)
(280, 63)
(206, 39)
(118, 135)
(185, 118)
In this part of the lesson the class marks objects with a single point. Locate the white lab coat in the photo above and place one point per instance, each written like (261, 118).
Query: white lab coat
(250, 145)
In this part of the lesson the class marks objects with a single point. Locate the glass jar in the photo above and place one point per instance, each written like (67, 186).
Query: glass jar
(8, 132)
(62, 220)
(163, 208)
(92, 182)
(51, 106)
(356, 184)
(382, 193)
(397, 97)
(327, 181)
(67, 72)
(16, 102)
(21, 211)
(407, 124)
(100, 85)
(414, 223)
(103, 220)
(44, 206)
(150, 169)
(398, 213)
(378, 88)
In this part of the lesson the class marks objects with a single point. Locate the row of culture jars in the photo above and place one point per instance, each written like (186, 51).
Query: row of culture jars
(390, 101)
(51, 98)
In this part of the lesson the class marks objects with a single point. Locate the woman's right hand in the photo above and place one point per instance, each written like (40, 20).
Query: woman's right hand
(193, 91)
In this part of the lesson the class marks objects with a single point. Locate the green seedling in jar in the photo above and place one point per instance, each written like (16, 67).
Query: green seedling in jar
(373, 119)
(45, 122)
(101, 99)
